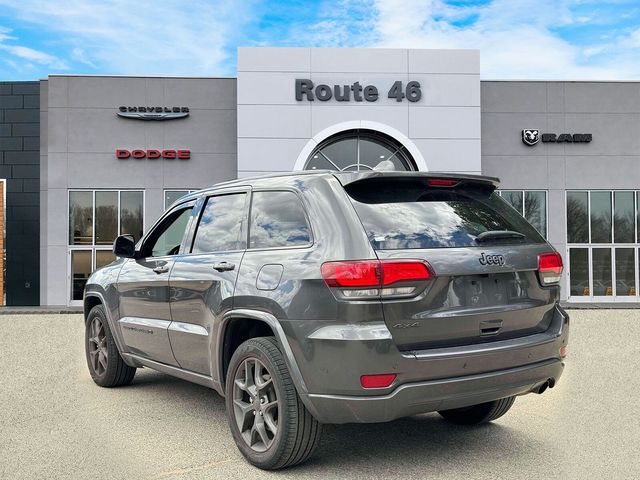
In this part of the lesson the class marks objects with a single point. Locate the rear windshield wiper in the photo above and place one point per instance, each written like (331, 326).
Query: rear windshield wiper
(499, 235)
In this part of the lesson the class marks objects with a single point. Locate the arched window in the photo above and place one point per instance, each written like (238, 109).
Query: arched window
(361, 149)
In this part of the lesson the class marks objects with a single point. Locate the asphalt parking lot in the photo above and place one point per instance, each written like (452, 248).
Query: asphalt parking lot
(56, 423)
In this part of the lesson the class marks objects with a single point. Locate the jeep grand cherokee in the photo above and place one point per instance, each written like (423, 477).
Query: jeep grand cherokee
(325, 297)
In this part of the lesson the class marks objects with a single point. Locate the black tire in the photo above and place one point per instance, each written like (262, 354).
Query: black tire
(481, 413)
(106, 370)
(298, 432)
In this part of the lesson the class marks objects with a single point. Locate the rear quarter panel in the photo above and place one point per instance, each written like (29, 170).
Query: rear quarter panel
(301, 301)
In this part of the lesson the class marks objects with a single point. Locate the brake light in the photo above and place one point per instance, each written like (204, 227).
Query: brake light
(442, 182)
(372, 278)
(377, 381)
(550, 268)
(351, 274)
(393, 272)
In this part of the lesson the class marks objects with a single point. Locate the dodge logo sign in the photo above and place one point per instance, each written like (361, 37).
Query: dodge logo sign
(153, 113)
(153, 154)
(530, 136)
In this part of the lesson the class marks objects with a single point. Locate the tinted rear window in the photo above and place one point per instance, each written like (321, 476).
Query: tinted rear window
(406, 214)
(278, 220)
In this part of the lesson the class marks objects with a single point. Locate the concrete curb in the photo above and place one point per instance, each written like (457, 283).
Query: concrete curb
(39, 310)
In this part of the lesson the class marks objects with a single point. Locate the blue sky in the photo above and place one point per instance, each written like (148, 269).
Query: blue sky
(518, 39)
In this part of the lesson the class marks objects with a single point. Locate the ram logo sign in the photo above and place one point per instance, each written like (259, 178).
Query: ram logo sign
(531, 136)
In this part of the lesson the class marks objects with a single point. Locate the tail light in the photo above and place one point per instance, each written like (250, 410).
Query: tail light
(550, 268)
(377, 381)
(374, 278)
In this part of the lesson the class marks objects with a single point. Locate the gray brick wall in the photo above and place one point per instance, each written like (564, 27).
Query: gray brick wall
(19, 165)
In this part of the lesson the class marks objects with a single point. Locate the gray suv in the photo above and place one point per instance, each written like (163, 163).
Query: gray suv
(324, 297)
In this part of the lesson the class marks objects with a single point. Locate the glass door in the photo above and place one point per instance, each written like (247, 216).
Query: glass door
(96, 218)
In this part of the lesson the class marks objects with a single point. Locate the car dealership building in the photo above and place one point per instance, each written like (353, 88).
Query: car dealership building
(84, 158)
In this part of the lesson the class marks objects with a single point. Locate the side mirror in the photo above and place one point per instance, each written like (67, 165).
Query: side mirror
(124, 246)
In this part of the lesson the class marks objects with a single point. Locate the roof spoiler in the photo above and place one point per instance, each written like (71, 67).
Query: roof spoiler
(433, 179)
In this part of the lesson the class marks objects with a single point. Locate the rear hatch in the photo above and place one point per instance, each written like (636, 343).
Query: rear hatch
(484, 282)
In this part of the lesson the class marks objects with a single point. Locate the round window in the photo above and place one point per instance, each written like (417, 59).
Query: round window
(355, 150)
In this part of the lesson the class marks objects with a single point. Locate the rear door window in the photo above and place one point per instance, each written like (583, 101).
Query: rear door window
(278, 220)
(220, 226)
(408, 214)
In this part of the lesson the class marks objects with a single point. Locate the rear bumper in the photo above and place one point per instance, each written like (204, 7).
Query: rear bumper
(414, 398)
(428, 380)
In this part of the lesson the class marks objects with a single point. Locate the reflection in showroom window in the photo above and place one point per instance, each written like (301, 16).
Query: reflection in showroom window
(172, 196)
(531, 204)
(356, 150)
(96, 218)
(603, 241)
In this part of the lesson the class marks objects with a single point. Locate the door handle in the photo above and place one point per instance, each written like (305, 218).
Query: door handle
(224, 266)
(161, 269)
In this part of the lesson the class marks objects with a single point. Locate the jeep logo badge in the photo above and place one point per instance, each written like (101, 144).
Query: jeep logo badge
(530, 136)
(491, 259)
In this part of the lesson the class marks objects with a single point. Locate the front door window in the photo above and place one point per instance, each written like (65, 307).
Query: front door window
(168, 237)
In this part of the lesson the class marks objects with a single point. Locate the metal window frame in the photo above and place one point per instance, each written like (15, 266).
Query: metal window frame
(635, 246)
(524, 208)
(398, 149)
(93, 247)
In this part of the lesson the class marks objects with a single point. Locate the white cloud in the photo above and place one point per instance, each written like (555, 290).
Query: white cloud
(80, 55)
(143, 37)
(31, 55)
(515, 38)
(4, 34)
(27, 56)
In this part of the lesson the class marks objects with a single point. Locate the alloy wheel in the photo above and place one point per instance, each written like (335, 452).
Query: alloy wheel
(255, 404)
(98, 353)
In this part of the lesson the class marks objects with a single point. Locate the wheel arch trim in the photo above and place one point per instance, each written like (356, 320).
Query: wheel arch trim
(112, 326)
(275, 326)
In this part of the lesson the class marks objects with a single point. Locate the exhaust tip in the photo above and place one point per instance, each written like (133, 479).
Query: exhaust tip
(541, 389)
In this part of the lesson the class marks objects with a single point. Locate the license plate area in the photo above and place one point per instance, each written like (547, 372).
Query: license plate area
(492, 289)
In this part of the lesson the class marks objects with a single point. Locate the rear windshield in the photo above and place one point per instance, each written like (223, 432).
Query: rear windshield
(406, 213)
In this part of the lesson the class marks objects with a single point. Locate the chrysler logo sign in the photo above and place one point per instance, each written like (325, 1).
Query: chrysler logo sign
(153, 113)
(531, 136)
